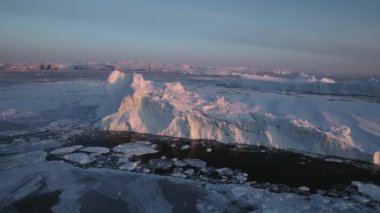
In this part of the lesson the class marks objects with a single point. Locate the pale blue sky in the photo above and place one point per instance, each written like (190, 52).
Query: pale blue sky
(302, 35)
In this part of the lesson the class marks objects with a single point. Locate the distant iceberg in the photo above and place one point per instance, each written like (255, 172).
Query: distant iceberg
(309, 84)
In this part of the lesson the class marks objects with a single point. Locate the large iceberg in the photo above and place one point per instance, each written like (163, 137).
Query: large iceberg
(134, 104)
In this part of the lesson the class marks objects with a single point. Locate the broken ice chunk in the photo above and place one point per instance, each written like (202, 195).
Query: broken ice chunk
(195, 163)
(136, 148)
(189, 172)
(241, 177)
(160, 164)
(179, 163)
(225, 172)
(369, 189)
(207, 170)
(130, 166)
(66, 150)
(178, 174)
(80, 158)
(146, 170)
(304, 188)
(95, 149)
(184, 147)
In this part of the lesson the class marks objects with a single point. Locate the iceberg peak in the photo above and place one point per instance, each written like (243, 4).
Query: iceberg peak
(115, 76)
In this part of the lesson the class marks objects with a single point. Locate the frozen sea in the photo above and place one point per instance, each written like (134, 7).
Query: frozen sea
(54, 157)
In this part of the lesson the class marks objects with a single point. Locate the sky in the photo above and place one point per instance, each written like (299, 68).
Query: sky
(329, 36)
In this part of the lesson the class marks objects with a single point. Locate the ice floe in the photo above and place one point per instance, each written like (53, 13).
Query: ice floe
(66, 150)
(136, 148)
(80, 158)
(98, 150)
(130, 166)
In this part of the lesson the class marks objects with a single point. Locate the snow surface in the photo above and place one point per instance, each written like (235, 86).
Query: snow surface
(307, 124)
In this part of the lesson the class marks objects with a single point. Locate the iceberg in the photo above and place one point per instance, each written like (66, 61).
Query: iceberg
(376, 158)
(135, 104)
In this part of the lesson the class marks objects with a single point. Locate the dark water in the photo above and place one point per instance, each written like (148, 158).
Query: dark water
(93, 202)
(260, 163)
(40, 203)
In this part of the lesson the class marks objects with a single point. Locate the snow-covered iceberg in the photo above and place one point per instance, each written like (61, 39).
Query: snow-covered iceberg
(134, 104)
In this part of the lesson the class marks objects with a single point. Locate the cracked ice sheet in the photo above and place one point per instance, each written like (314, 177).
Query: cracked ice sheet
(144, 192)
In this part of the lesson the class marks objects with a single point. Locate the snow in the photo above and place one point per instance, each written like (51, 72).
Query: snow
(136, 148)
(66, 150)
(94, 149)
(368, 189)
(315, 124)
(80, 158)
